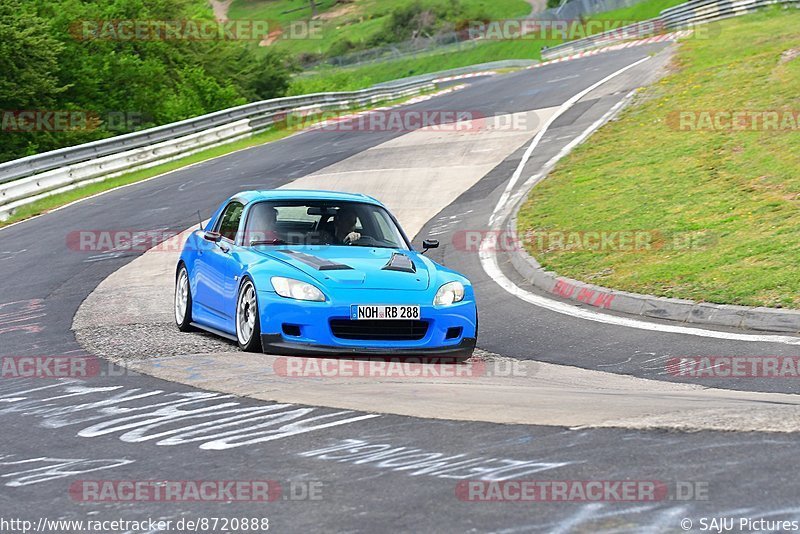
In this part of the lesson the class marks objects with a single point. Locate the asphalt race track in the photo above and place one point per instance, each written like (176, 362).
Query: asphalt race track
(376, 471)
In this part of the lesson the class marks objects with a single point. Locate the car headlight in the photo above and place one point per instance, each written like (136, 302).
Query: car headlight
(449, 293)
(295, 289)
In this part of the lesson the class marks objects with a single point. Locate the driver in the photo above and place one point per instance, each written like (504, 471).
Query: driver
(263, 223)
(344, 225)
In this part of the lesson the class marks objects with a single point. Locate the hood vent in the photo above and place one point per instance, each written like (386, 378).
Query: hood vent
(400, 262)
(319, 264)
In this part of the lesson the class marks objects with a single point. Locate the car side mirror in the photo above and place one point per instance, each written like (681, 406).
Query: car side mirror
(429, 244)
(214, 237)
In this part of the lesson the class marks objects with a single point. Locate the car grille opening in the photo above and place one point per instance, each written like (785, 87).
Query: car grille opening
(453, 333)
(291, 330)
(384, 330)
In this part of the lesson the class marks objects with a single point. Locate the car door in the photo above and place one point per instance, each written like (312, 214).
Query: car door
(216, 268)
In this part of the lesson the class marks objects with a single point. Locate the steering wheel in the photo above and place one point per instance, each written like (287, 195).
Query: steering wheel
(364, 240)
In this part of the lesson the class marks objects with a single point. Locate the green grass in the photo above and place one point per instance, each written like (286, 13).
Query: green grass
(357, 20)
(641, 11)
(738, 190)
(275, 133)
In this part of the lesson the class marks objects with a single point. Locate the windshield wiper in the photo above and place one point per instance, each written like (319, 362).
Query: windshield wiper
(267, 242)
(370, 246)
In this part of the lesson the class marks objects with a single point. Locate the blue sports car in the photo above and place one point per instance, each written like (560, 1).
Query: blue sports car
(303, 272)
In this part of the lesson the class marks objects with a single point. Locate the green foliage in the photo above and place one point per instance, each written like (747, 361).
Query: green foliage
(342, 46)
(335, 80)
(50, 61)
(420, 19)
(28, 60)
(272, 76)
(364, 22)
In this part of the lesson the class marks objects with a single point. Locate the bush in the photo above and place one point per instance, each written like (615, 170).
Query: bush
(341, 47)
(419, 19)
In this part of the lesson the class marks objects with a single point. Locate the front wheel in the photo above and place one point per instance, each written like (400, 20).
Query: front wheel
(248, 325)
(183, 301)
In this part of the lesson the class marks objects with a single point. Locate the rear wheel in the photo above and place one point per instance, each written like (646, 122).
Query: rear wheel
(183, 301)
(248, 325)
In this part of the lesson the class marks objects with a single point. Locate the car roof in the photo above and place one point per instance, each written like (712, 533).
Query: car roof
(303, 194)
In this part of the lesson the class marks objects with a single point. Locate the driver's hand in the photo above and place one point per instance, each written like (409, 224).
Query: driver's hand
(352, 237)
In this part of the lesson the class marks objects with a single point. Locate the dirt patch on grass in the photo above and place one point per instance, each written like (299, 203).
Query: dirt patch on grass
(273, 36)
(788, 55)
(342, 9)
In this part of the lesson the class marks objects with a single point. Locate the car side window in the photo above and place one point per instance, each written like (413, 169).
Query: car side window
(229, 221)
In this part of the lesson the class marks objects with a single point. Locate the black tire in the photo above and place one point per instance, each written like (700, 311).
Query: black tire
(247, 318)
(183, 308)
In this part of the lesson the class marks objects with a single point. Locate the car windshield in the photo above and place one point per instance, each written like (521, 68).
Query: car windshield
(321, 223)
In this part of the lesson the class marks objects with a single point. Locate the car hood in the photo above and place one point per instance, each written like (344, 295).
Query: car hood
(370, 267)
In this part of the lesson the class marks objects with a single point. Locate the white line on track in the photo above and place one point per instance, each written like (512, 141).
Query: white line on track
(489, 262)
(535, 142)
(489, 259)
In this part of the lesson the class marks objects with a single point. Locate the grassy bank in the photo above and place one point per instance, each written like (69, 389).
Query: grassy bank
(721, 205)
(642, 11)
(358, 77)
(359, 21)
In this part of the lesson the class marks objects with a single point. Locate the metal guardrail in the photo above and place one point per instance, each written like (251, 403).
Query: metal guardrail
(20, 168)
(26, 179)
(703, 11)
(645, 28)
(493, 65)
(680, 17)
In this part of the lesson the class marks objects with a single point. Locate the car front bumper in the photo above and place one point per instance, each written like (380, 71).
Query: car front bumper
(312, 333)
(277, 344)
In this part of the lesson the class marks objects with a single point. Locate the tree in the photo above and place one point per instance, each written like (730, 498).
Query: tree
(49, 61)
(272, 75)
(28, 62)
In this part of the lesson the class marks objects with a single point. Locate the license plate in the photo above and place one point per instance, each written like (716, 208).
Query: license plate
(383, 312)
